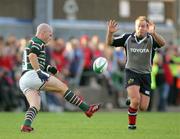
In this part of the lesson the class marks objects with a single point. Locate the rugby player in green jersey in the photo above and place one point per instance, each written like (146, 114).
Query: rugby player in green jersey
(37, 75)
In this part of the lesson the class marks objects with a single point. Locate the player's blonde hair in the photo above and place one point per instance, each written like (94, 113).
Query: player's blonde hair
(142, 18)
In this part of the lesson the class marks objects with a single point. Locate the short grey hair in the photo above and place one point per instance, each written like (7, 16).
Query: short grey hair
(43, 27)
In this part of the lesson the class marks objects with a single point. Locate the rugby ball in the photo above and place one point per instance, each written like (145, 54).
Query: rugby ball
(100, 65)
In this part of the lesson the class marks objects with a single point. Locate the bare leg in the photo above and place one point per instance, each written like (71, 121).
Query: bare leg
(144, 103)
(134, 95)
(34, 101)
(55, 85)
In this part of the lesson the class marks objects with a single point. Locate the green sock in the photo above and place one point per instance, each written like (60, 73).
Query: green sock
(27, 122)
(30, 115)
(76, 100)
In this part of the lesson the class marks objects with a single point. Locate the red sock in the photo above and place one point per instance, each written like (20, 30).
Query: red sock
(132, 116)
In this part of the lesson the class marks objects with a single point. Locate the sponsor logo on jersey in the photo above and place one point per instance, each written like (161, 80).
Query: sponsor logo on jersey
(135, 50)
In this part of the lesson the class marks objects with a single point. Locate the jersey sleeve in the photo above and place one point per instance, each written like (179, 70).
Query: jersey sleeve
(119, 41)
(155, 44)
(35, 49)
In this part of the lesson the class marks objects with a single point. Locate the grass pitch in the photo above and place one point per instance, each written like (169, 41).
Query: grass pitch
(104, 125)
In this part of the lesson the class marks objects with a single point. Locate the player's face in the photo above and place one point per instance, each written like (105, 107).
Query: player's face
(141, 28)
(48, 36)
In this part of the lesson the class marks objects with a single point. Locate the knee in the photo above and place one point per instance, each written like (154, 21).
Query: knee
(135, 102)
(143, 108)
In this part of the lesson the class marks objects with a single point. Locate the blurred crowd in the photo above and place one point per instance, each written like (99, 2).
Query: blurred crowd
(73, 59)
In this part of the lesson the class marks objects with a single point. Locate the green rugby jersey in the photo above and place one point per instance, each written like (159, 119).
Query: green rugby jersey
(36, 46)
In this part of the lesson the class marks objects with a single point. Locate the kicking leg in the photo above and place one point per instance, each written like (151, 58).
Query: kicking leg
(55, 85)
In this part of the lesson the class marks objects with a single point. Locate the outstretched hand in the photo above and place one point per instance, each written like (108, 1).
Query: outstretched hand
(112, 26)
(151, 29)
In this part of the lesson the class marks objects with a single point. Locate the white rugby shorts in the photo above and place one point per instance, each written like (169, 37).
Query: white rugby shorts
(30, 81)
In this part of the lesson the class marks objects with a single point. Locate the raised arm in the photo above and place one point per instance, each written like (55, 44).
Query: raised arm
(158, 38)
(112, 27)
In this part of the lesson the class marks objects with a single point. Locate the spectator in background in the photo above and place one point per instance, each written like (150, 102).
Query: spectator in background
(76, 65)
(119, 60)
(59, 57)
(168, 78)
(95, 47)
(174, 55)
(7, 64)
(163, 79)
(88, 56)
